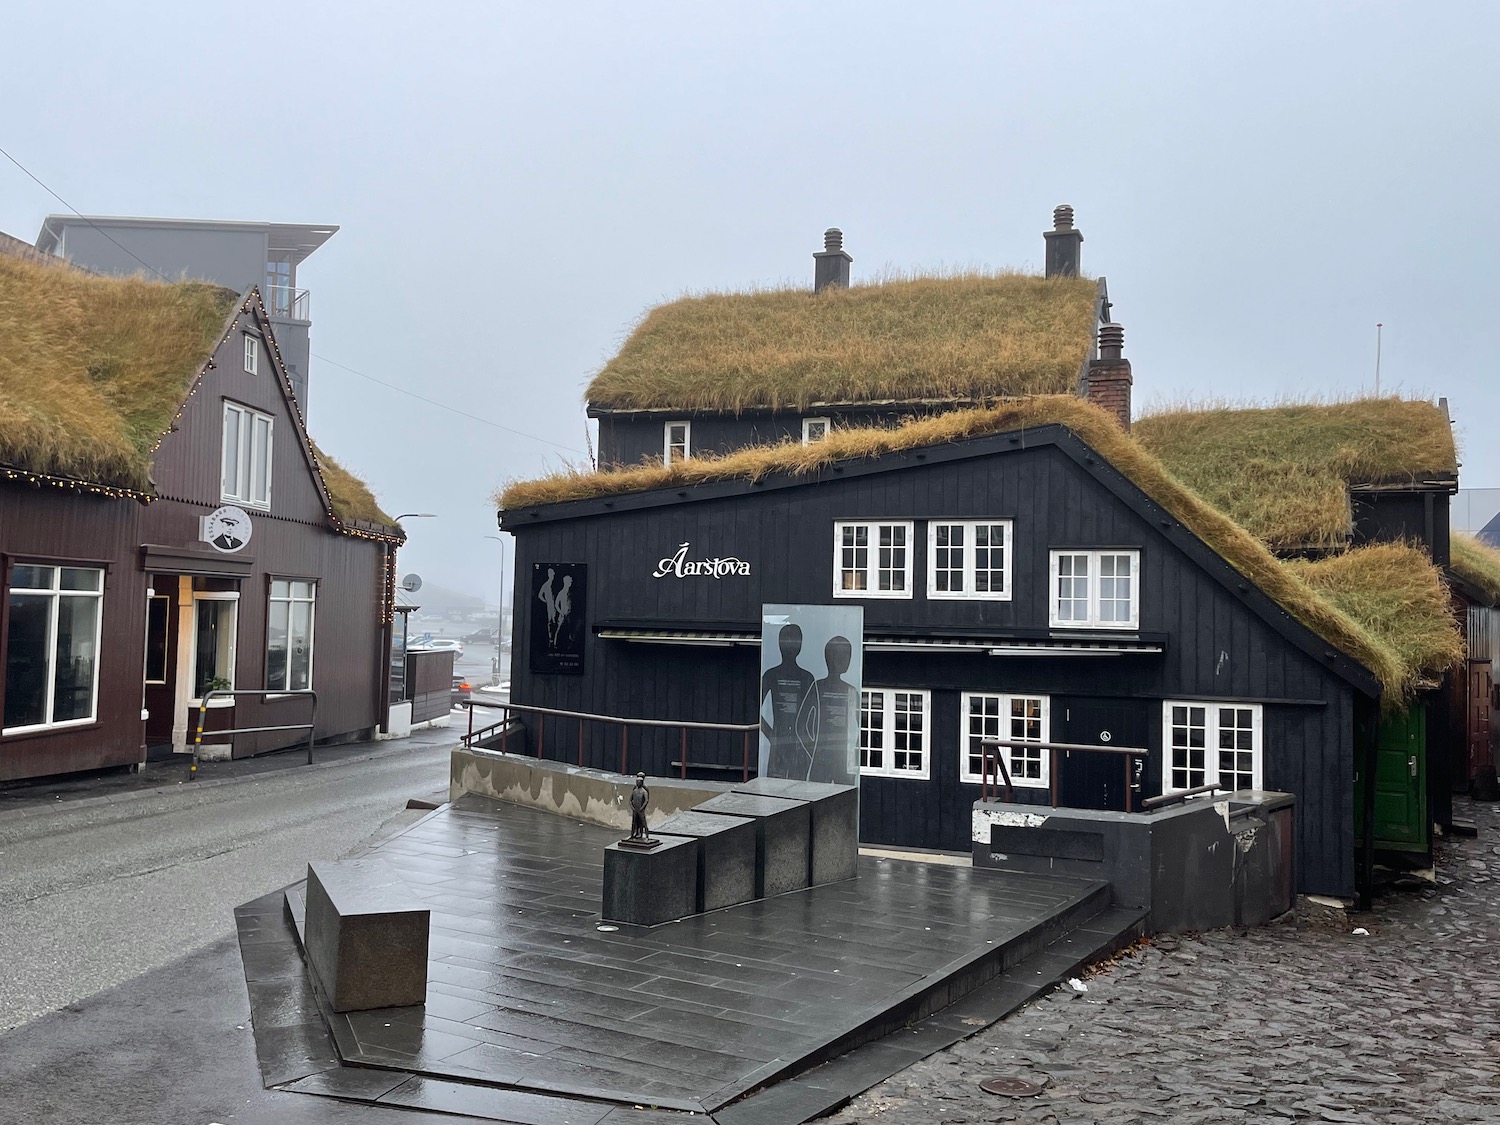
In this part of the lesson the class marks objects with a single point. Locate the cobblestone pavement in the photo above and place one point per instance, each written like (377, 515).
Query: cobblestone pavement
(1302, 1020)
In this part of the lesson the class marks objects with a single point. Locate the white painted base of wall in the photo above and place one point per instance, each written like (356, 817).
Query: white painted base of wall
(399, 723)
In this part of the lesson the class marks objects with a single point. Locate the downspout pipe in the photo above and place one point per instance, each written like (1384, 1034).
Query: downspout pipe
(1371, 750)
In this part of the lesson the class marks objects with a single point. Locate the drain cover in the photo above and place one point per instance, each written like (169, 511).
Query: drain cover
(1010, 1087)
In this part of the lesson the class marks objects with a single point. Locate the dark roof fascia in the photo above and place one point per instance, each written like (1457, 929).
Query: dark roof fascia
(1054, 434)
(1425, 482)
(897, 632)
(1466, 589)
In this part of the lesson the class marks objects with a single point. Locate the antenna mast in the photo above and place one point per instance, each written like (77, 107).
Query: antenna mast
(1378, 327)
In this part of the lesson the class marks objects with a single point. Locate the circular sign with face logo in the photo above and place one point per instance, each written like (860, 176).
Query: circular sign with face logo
(227, 530)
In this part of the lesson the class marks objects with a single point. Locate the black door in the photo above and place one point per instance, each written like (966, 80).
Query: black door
(1097, 781)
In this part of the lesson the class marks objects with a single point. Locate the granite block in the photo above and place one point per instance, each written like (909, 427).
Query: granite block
(834, 840)
(646, 888)
(726, 860)
(366, 937)
(781, 838)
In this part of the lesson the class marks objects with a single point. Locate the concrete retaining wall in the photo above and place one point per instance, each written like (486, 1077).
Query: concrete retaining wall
(595, 796)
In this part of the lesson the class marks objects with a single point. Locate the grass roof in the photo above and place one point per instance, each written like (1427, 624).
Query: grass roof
(1283, 472)
(351, 497)
(93, 369)
(1476, 563)
(968, 336)
(1398, 667)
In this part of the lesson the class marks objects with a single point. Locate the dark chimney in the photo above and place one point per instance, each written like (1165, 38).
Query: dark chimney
(831, 267)
(1109, 375)
(1063, 243)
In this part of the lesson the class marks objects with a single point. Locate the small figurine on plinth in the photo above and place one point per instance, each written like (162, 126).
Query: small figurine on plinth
(640, 831)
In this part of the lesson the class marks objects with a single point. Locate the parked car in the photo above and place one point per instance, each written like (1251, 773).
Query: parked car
(461, 691)
(437, 644)
(481, 637)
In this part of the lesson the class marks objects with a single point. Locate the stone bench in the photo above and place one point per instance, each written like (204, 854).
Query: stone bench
(366, 939)
(726, 856)
(781, 838)
(833, 843)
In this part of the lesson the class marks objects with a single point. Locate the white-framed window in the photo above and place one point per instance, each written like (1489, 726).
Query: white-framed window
(893, 732)
(216, 618)
(872, 560)
(1095, 589)
(52, 646)
(815, 430)
(252, 355)
(247, 456)
(1017, 718)
(289, 634)
(969, 559)
(677, 444)
(1211, 744)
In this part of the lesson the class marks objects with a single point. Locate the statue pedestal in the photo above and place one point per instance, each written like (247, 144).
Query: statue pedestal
(781, 834)
(834, 842)
(645, 887)
(726, 859)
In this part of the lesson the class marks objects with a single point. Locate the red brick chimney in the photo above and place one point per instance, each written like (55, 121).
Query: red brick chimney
(1109, 376)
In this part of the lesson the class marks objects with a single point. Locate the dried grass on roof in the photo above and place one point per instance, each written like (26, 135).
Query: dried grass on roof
(965, 336)
(1392, 667)
(1399, 597)
(352, 498)
(93, 369)
(1283, 472)
(1476, 563)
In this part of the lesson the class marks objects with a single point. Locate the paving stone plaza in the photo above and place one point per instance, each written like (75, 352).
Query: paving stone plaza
(1303, 1020)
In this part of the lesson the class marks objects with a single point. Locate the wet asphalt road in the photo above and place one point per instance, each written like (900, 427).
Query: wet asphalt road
(93, 894)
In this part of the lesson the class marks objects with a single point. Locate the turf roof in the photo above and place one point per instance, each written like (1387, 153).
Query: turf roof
(962, 337)
(1476, 563)
(1358, 624)
(1283, 472)
(351, 498)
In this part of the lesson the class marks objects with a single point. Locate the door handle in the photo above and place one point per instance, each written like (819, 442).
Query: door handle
(1411, 764)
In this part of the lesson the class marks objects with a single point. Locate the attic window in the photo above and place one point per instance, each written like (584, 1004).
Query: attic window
(676, 442)
(252, 355)
(814, 430)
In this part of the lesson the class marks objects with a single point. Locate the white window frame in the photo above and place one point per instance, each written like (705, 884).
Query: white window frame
(809, 423)
(291, 600)
(667, 444)
(872, 567)
(252, 354)
(56, 594)
(966, 737)
(237, 491)
(968, 565)
(1212, 713)
(234, 643)
(887, 704)
(1093, 620)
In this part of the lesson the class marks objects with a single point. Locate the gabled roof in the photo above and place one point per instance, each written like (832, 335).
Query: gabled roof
(1357, 625)
(94, 371)
(1477, 563)
(1284, 473)
(970, 337)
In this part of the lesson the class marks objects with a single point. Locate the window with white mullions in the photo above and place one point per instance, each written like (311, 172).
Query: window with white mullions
(893, 733)
(289, 632)
(1212, 744)
(52, 646)
(676, 442)
(872, 560)
(1015, 718)
(969, 560)
(814, 430)
(252, 355)
(1099, 589)
(247, 456)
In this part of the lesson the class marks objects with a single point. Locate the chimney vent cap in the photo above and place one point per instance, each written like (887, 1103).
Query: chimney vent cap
(833, 240)
(1062, 217)
(1111, 341)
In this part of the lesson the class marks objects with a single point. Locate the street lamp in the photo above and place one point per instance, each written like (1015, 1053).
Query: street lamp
(415, 516)
(500, 614)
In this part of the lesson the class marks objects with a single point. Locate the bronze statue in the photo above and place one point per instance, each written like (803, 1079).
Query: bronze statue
(640, 797)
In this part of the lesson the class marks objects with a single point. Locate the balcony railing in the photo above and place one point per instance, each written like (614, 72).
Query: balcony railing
(284, 301)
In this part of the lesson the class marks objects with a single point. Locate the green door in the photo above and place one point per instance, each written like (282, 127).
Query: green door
(1401, 821)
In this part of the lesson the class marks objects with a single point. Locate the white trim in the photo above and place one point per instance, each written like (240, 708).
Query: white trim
(1005, 699)
(234, 638)
(55, 593)
(888, 728)
(248, 456)
(312, 629)
(869, 572)
(151, 596)
(1212, 713)
(808, 423)
(252, 354)
(1092, 588)
(667, 443)
(969, 552)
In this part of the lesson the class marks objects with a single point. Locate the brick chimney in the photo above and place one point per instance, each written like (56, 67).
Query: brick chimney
(831, 267)
(1063, 243)
(1109, 376)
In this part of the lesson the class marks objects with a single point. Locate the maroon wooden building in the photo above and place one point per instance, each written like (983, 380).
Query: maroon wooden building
(168, 528)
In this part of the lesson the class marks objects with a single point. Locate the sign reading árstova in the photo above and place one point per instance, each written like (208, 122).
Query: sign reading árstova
(680, 566)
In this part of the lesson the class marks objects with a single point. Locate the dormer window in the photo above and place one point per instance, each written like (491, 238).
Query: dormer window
(814, 430)
(252, 355)
(676, 442)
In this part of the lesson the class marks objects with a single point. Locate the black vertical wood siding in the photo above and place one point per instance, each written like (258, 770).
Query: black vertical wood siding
(1216, 645)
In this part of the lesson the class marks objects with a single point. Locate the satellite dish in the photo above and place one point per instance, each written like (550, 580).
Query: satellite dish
(411, 583)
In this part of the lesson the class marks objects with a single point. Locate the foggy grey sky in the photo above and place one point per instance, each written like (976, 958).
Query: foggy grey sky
(516, 185)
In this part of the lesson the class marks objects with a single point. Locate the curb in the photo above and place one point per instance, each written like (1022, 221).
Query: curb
(44, 809)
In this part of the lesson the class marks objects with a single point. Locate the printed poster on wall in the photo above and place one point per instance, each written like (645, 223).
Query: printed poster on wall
(559, 605)
(812, 668)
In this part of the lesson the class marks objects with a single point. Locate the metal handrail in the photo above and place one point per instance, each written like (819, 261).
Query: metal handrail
(1129, 753)
(212, 693)
(1180, 795)
(985, 749)
(682, 725)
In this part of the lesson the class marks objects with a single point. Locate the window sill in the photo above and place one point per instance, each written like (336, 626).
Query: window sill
(936, 597)
(873, 595)
(895, 775)
(248, 505)
(18, 733)
(1098, 626)
(213, 704)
